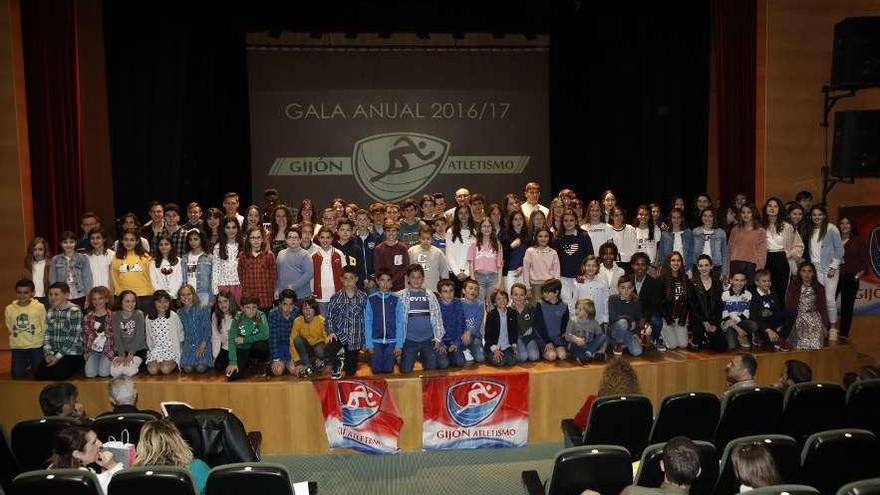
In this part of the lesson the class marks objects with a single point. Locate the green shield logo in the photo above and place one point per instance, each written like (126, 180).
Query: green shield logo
(392, 166)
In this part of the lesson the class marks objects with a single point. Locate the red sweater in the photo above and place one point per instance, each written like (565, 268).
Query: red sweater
(395, 259)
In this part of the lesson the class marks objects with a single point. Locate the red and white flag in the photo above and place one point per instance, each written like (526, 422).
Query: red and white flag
(360, 415)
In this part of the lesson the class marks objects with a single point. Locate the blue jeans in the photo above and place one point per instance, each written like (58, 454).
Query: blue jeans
(656, 328)
(445, 359)
(621, 334)
(206, 298)
(487, 282)
(307, 352)
(589, 349)
(24, 359)
(97, 365)
(476, 348)
(418, 350)
(382, 358)
(527, 352)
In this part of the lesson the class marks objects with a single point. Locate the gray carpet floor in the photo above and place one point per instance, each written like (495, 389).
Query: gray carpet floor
(456, 472)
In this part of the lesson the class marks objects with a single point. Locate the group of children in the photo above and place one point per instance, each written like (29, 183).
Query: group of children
(515, 282)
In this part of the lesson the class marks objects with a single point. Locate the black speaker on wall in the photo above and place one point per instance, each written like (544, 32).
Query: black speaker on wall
(856, 151)
(856, 54)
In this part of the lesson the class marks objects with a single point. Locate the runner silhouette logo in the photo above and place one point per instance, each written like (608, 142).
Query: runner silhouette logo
(358, 401)
(393, 166)
(470, 402)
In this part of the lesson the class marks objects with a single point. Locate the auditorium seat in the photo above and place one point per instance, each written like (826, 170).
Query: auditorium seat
(614, 420)
(650, 475)
(812, 407)
(32, 440)
(216, 436)
(831, 459)
(748, 411)
(783, 448)
(602, 468)
(8, 463)
(151, 480)
(249, 477)
(121, 426)
(785, 490)
(690, 414)
(56, 481)
(863, 405)
(863, 487)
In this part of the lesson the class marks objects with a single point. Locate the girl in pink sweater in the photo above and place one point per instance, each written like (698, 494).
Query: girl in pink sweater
(541, 263)
(747, 245)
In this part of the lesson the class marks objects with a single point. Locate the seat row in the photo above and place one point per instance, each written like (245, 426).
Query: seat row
(804, 409)
(231, 479)
(827, 461)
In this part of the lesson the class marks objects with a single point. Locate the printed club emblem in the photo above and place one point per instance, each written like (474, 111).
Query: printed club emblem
(472, 401)
(875, 250)
(390, 167)
(358, 402)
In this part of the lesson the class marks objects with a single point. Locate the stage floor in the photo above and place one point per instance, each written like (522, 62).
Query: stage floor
(286, 409)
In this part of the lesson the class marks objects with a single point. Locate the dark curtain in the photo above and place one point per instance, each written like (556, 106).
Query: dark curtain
(629, 101)
(51, 83)
(177, 97)
(735, 45)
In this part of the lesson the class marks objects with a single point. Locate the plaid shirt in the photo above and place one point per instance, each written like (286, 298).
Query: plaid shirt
(345, 318)
(279, 333)
(257, 275)
(64, 331)
(178, 241)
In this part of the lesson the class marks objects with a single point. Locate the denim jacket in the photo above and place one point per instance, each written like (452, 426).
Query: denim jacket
(687, 245)
(82, 273)
(204, 267)
(719, 248)
(831, 255)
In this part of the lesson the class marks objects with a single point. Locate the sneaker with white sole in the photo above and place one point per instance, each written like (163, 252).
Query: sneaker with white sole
(467, 355)
(833, 334)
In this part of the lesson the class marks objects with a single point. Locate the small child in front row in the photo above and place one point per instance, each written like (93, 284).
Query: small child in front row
(423, 327)
(472, 337)
(281, 319)
(98, 341)
(624, 315)
(768, 314)
(62, 342)
(196, 354)
(248, 336)
(584, 334)
(735, 305)
(26, 322)
(449, 354)
(129, 335)
(308, 338)
(527, 342)
(164, 335)
(383, 324)
(551, 320)
(501, 331)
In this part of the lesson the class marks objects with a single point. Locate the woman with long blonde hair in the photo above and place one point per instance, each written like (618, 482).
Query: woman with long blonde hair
(161, 444)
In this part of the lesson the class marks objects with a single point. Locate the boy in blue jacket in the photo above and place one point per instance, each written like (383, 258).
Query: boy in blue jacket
(474, 313)
(449, 353)
(384, 325)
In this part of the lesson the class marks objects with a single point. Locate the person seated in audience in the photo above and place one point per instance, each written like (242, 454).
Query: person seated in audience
(865, 373)
(618, 378)
(123, 396)
(680, 465)
(78, 447)
(60, 399)
(794, 372)
(161, 444)
(754, 467)
(741, 372)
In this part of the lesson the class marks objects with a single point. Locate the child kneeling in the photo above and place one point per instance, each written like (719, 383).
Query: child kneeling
(584, 334)
(501, 331)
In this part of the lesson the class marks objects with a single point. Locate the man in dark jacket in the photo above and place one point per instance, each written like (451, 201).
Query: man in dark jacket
(650, 293)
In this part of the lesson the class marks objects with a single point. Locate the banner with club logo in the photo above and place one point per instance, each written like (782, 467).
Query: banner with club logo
(866, 220)
(360, 415)
(475, 412)
(388, 124)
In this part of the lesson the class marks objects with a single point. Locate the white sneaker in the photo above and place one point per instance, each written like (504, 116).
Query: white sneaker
(833, 334)
(467, 355)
